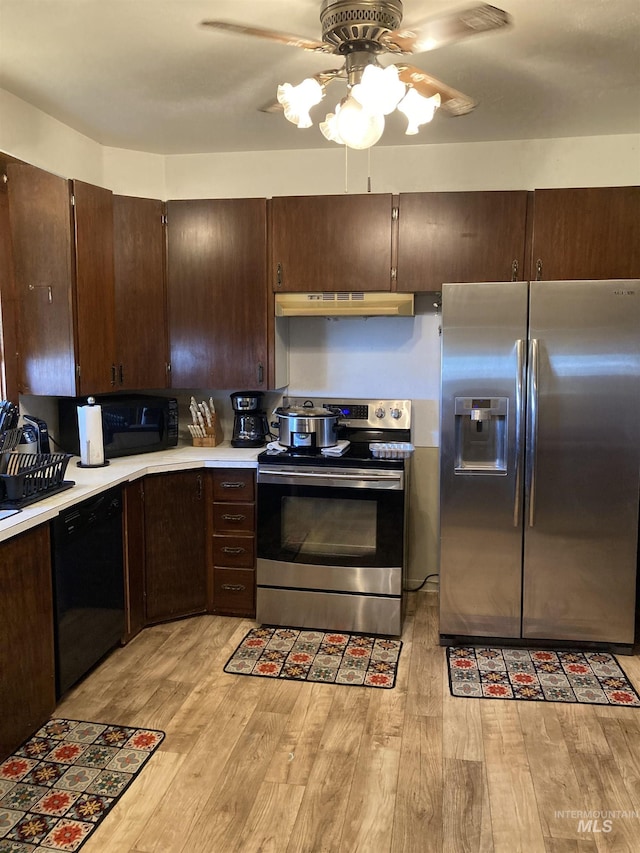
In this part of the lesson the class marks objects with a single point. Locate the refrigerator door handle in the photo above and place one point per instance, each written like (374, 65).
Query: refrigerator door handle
(520, 378)
(533, 423)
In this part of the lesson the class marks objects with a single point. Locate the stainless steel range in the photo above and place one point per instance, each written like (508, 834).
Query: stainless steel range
(332, 523)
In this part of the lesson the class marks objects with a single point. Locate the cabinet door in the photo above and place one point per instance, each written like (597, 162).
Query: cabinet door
(175, 545)
(9, 335)
(95, 307)
(460, 236)
(27, 683)
(586, 233)
(40, 216)
(140, 303)
(331, 243)
(217, 293)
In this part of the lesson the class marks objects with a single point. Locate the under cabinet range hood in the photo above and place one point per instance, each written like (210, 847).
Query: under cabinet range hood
(344, 304)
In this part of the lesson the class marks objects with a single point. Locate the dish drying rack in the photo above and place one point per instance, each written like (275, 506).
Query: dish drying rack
(29, 477)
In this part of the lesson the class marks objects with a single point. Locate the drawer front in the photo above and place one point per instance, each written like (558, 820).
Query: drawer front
(234, 551)
(234, 518)
(234, 484)
(234, 592)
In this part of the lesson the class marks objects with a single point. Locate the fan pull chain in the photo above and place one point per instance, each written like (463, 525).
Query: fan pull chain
(346, 169)
(368, 170)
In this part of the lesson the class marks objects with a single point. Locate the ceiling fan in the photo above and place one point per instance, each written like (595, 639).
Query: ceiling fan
(362, 31)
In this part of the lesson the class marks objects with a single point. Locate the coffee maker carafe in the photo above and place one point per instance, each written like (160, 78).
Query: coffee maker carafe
(250, 423)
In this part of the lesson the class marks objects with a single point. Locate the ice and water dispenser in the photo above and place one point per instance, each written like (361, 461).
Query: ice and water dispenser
(481, 435)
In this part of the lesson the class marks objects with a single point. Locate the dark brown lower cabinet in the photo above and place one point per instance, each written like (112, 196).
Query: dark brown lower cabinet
(232, 555)
(175, 545)
(27, 681)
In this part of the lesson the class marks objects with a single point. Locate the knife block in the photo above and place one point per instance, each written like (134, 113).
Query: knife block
(213, 435)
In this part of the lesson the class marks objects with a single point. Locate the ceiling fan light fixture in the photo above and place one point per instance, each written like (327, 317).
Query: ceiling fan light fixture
(358, 128)
(329, 127)
(418, 109)
(379, 89)
(298, 100)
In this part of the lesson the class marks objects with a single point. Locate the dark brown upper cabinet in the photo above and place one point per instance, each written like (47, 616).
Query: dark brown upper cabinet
(331, 243)
(140, 297)
(95, 296)
(62, 236)
(217, 293)
(460, 236)
(586, 233)
(9, 315)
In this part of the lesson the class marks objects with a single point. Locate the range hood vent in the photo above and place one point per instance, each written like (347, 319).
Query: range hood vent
(344, 304)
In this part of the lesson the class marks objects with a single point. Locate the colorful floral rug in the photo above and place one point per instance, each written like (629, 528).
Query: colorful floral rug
(62, 782)
(593, 678)
(331, 657)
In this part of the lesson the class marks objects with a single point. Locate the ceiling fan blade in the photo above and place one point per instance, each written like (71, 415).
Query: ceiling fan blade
(272, 35)
(444, 29)
(454, 102)
(323, 77)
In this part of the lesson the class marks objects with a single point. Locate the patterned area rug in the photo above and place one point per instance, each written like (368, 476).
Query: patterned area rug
(593, 678)
(62, 782)
(331, 657)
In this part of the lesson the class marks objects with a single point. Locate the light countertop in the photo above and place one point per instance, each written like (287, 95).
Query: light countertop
(91, 481)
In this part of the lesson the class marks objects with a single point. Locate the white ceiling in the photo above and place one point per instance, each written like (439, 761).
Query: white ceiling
(143, 75)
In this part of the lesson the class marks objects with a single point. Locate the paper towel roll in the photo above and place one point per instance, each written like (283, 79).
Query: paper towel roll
(91, 439)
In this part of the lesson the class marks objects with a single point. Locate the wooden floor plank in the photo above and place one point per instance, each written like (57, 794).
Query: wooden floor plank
(255, 764)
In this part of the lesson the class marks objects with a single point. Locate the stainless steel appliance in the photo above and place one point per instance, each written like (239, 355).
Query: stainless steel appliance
(250, 423)
(332, 525)
(307, 426)
(540, 459)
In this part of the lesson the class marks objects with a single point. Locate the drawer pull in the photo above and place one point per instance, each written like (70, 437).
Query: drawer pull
(227, 549)
(233, 587)
(226, 484)
(228, 517)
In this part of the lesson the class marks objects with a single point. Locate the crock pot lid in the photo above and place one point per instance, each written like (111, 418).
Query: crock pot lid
(306, 412)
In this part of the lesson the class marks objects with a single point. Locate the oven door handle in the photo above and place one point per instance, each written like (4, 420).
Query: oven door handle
(393, 480)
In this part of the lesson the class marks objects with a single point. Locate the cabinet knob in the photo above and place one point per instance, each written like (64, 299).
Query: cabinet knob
(235, 518)
(233, 587)
(228, 549)
(226, 484)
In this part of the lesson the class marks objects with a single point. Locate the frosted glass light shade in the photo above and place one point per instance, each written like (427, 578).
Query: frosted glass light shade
(418, 109)
(298, 100)
(379, 89)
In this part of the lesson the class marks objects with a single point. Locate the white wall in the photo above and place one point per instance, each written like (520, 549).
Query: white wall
(377, 357)
(31, 135)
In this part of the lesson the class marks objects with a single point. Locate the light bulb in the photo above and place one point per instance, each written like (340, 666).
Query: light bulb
(298, 100)
(379, 89)
(357, 127)
(418, 109)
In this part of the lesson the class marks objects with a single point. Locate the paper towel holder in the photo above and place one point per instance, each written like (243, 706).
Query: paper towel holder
(91, 402)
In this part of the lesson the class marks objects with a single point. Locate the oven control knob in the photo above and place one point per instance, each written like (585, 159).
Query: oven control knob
(380, 412)
(395, 413)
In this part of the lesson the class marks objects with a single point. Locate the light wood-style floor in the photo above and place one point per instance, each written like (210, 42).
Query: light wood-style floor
(250, 764)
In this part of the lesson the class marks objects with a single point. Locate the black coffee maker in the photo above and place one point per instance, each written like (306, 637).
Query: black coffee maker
(250, 423)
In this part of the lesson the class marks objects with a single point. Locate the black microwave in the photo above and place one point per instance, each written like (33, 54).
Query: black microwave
(131, 423)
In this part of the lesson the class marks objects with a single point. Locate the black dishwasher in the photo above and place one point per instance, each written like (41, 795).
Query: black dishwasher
(88, 585)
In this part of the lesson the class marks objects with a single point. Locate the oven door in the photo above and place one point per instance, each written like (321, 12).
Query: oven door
(331, 529)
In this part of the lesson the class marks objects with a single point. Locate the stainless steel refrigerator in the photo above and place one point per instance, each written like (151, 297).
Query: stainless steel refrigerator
(540, 461)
